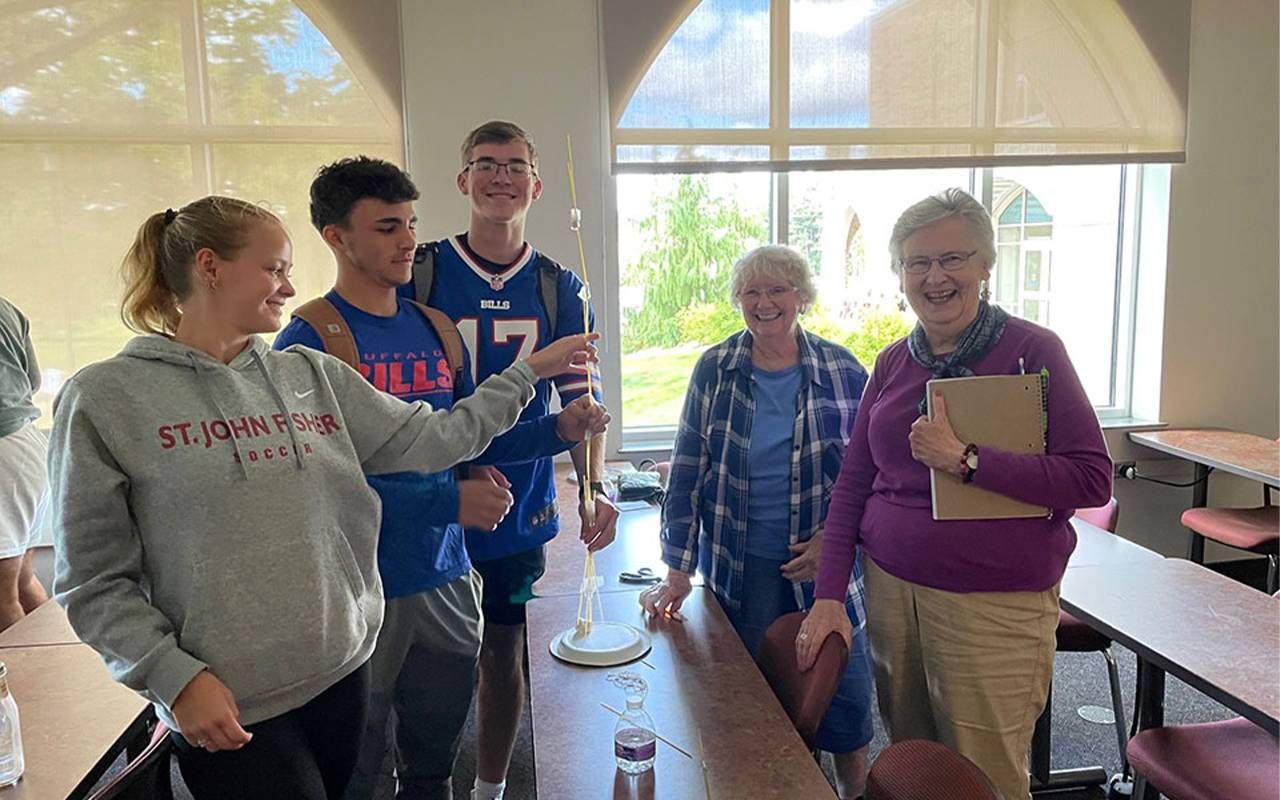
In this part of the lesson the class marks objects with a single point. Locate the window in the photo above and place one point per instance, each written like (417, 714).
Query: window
(1024, 231)
(111, 110)
(843, 113)
(1062, 262)
(816, 84)
(679, 235)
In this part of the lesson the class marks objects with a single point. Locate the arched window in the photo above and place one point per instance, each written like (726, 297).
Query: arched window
(111, 110)
(1022, 279)
(805, 84)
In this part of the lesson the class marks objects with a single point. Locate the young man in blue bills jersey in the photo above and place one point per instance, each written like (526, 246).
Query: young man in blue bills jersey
(424, 663)
(489, 281)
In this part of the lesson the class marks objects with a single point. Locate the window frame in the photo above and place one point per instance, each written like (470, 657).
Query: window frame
(1129, 221)
(199, 131)
(199, 136)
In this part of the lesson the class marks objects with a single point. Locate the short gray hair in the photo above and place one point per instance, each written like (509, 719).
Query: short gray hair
(935, 208)
(773, 261)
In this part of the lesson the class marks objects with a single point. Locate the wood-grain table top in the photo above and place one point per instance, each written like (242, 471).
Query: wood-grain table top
(46, 625)
(702, 680)
(72, 714)
(637, 545)
(1211, 632)
(1253, 457)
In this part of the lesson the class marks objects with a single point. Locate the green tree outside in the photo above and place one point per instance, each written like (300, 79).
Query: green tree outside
(692, 240)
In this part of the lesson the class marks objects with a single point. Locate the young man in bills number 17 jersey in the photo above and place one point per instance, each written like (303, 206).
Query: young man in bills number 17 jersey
(488, 280)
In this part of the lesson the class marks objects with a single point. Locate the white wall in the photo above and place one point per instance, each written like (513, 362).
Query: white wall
(532, 63)
(1221, 359)
(538, 64)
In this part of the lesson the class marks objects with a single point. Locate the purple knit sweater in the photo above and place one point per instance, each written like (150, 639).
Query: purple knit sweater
(881, 500)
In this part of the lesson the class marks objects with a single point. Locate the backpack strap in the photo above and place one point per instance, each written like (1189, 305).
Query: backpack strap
(332, 329)
(549, 288)
(424, 272)
(450, 340)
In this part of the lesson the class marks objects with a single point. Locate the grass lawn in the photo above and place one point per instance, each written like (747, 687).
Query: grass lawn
(654, 382)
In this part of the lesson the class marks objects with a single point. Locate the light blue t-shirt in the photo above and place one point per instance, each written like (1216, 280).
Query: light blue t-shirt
(769, 461)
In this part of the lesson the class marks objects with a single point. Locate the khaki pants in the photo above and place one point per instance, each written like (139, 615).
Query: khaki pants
(970, 670)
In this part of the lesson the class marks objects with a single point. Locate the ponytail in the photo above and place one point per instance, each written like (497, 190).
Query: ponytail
(157, 270)
(150, 303)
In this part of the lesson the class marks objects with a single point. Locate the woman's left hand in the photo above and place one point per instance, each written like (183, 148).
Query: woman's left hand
(804, 567)
(934, 443)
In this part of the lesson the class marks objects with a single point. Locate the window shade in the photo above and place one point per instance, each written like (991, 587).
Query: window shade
(841, 84)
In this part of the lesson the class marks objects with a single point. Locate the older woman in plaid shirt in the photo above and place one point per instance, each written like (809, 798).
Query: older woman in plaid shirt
(764, 427)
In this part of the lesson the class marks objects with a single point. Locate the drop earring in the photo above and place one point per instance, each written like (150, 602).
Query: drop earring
(984, 292)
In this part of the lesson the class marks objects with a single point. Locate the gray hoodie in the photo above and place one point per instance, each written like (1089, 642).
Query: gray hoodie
(212, 515)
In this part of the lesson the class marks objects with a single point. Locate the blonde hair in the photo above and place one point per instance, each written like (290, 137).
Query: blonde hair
(157, 270)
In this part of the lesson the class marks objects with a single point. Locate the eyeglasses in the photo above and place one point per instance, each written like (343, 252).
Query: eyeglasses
(948, 261)
(490, 167)
(774, 292)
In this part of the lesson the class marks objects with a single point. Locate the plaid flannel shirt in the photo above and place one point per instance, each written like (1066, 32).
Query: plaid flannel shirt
(705, 514)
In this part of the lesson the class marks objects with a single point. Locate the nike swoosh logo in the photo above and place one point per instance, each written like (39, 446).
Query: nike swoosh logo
(301, 395)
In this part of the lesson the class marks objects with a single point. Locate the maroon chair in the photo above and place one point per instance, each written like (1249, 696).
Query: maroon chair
(146, 777)
(805, 696)
(1207, 761)
(1256, 530)
(918, 769)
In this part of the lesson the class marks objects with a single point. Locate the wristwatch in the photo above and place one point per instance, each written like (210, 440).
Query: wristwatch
(597, 489)
(969, 463)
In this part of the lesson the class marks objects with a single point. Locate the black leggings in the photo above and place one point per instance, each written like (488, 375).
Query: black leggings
(308, 753)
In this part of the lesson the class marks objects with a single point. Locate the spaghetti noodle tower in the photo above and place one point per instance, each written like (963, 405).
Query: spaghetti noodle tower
(590, 582)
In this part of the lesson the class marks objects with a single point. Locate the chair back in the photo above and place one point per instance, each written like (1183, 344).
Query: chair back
(145, 777)
(917, 769)
(1104, 517)
(804, 695)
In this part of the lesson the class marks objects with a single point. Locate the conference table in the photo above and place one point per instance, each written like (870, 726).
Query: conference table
(1244, 454)
(636, 546)
(705, 695)
(45, 626)
(75, 719)
(1215, 634)
(1094, 547)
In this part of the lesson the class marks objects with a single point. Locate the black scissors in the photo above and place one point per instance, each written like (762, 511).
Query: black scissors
(644, 575)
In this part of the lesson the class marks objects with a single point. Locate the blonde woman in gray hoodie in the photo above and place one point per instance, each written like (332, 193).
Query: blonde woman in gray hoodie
(215, 534)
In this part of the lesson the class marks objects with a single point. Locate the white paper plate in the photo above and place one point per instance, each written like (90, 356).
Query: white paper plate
(608, 644)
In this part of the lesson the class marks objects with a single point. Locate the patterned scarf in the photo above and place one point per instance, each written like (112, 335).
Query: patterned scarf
(974, 343)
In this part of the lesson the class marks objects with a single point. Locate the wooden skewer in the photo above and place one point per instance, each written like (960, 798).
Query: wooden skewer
(660, 737)
(588, 497)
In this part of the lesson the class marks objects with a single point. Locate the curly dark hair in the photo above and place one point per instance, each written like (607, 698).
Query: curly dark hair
(340, 185)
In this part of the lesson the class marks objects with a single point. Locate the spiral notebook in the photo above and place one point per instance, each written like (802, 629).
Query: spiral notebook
(1006, 412)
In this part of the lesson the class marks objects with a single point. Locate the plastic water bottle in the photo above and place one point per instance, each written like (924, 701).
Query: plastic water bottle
(634, 741)
(11, 760)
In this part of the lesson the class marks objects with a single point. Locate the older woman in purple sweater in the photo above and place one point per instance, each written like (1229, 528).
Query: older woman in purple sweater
(961, 614)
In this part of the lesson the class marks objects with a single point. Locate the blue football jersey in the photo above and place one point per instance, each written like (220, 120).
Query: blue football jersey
(499, 312)
(420, 543)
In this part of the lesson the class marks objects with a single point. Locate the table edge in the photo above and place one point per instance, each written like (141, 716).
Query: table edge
(1139, 438)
